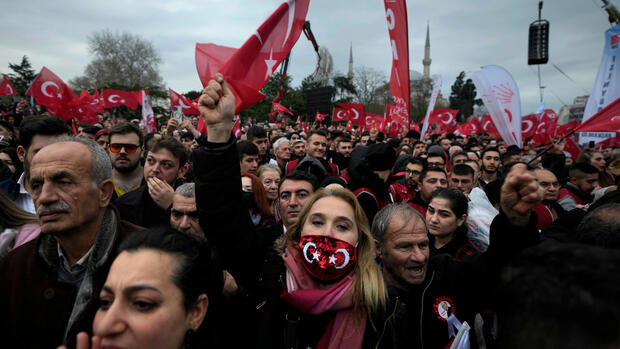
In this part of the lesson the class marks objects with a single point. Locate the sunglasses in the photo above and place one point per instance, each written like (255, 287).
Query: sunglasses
(129, 148)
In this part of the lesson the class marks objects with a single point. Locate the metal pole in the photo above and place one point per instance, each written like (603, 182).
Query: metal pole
(550, 147)
(540, 88)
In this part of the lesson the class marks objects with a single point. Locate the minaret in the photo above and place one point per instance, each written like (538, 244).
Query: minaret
(427, 55)
(350, 75)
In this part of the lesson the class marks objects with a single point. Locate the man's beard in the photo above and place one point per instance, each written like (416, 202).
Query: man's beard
(484, 169)
(127, 168)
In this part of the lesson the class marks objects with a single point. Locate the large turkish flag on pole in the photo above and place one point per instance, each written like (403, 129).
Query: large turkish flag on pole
(396, 15)
(50, 91)
(606, 120)
(251, 66)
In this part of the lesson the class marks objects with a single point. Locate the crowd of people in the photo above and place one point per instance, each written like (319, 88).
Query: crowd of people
(111, 237)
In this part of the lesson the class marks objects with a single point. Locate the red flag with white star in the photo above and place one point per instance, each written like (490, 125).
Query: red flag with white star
(6, 88)
(50, 91)
(115, 98)
(251, 66)
(188, 107)
(355, 112)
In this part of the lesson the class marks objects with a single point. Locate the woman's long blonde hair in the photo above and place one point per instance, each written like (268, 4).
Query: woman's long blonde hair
(369, 291)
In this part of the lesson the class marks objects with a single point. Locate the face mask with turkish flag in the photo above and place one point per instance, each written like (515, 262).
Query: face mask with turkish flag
(247, 69)
(326, 258)
(50, 91)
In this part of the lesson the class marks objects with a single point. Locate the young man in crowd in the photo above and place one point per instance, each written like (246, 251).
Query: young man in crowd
(126, 150)
(430, 179)
(490, 166)
(258, 136)
(583, 180)
(248, 157)
(147, 205)
(316, 148)
(462, 178)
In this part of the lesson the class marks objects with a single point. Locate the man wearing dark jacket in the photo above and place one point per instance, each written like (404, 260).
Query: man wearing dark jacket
(50, 286)
(431, 297)
(583, 180)
(147, 205)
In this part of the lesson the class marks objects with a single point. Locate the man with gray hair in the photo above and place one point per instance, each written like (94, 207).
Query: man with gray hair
(51, 284)
(429, 296)
(184, 213)
(281, 152)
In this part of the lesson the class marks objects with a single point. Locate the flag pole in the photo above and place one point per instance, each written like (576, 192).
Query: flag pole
(546, 150)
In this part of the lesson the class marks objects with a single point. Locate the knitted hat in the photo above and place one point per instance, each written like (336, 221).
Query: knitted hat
(380, 156)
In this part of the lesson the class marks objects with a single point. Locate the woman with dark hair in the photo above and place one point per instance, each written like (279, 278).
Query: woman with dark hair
(10, 158)
(16, 226)
(446, 217)
(156, 294)
(596, 159)
(255, 197)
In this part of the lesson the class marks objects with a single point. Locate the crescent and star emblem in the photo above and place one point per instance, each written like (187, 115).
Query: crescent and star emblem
(346, 258)
(44, 88)
(305, 251)
(529, 126)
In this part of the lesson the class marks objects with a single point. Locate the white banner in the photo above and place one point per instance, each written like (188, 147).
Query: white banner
(431, 104)
(586, 137)
(148, 119)
(606, 87)
(500, 95)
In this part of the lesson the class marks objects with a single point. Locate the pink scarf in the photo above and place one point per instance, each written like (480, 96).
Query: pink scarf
(302, 292)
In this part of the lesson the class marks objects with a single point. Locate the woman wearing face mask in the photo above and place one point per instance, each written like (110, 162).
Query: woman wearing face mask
(156, 294)
(332, 283)
(255, 197)
(446, 216)
(270, 176)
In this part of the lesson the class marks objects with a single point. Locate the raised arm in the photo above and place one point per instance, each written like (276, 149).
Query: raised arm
(223, 218)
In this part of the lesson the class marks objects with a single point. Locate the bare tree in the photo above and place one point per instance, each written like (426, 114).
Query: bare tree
(367, 81)
(120, 60)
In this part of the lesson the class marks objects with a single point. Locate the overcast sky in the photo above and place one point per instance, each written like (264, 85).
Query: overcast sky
(464, 36)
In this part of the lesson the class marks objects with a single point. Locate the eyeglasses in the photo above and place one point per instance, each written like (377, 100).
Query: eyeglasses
(129, 148)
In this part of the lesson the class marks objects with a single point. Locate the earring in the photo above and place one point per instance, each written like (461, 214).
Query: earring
(189, 338)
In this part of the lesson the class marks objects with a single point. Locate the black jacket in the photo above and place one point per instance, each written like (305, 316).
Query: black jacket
(139, 208)
(414, 318)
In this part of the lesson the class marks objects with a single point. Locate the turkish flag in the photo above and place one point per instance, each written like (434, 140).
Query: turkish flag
(50, 91)
(372, 119)
(488, 126)
(545, 127)
(528, 125)
(6, 88)
(319, 116)
(396, 113)
(396, 15)
(469, 127)
(606, 120)
(414, 126)
(445, 118)
(340, 115)
(115, 98)
(188, 107)
(572, 148)
(349, 126)
(355, 112)
(236, 128)
(397, 128)
(210, 58)
(566, 128)
(251, 66)
(304, 127)
(281, 109)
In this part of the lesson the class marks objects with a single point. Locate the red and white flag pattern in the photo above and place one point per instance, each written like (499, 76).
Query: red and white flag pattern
(355, 112)
(6, 88)
(116, 98)
(249, 67)
(50, 91)
(188, 107)
(396, 16)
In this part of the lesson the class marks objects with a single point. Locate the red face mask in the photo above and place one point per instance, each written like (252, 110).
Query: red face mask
(326, 258)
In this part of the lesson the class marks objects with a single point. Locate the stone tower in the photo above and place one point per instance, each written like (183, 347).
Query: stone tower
(350, 74)
(427, 55)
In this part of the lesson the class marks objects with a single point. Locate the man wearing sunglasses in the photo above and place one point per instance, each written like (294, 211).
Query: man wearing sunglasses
(125, 149)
